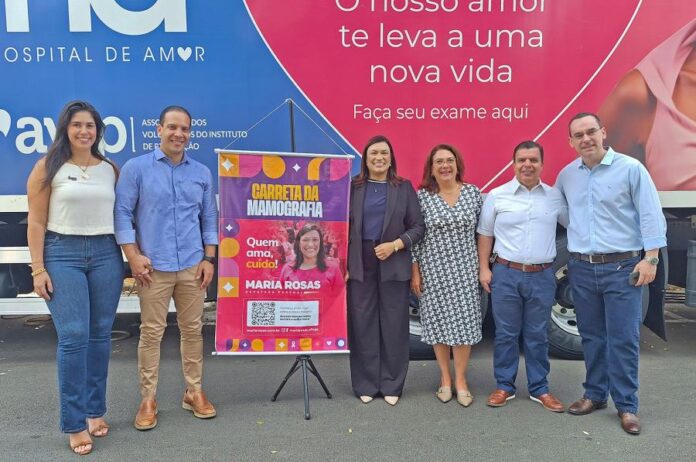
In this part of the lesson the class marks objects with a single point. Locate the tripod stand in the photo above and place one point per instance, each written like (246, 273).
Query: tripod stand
(305, 363)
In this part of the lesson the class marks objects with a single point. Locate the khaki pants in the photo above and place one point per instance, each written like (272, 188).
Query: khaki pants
(154, 304)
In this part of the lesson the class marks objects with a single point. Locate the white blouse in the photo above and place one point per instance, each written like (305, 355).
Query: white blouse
(82, 203)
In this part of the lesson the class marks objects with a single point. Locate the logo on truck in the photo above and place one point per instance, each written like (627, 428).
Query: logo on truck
(114, 16)
(5, 122)
(171, 14)
(37, 133)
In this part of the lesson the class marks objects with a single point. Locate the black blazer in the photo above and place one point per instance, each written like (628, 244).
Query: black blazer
(402, 219)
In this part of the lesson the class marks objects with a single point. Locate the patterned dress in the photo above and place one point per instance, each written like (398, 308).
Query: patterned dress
(448, 260)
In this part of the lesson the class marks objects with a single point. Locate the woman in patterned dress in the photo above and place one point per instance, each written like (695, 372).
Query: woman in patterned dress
(445, 268)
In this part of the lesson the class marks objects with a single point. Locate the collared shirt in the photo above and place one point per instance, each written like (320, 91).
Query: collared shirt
(523, 221)
(613, 207)
(169, 210)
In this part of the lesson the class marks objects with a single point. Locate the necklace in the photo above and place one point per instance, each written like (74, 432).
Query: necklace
(374, 184)
(84, 174)
(451, 194)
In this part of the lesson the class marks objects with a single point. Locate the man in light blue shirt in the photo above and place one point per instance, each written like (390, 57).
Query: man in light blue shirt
(520, 217)
(614, 215)
(166, 222)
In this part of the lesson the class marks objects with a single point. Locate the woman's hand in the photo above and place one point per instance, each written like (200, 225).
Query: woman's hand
(416, 280)
(384, 250)
(43, 287)
(485, 278)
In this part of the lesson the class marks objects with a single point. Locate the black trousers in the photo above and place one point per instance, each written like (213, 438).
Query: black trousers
(378, 330)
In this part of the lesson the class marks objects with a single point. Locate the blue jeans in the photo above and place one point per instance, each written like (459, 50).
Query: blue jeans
(522, 305)
(87, 276)
(609, 313)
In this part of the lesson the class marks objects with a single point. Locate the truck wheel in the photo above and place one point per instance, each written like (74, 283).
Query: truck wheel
(417, 349)
(564, 339)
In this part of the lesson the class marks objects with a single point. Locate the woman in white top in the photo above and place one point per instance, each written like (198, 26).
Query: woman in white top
(77, 265)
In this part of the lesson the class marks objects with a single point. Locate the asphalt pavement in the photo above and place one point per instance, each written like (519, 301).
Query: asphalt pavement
(249, 427)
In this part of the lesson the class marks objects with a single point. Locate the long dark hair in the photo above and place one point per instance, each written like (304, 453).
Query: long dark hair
(428, 182)
(392, 177)
(59, 151)
(321, 256)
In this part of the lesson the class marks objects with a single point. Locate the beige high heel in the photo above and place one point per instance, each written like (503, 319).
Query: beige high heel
(464, 398)
(444, 394)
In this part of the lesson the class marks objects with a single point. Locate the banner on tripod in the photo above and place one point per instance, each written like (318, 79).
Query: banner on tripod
(283, 251)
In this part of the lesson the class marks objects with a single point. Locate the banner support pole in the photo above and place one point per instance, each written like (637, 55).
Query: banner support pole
(305, 363)
(291, 108)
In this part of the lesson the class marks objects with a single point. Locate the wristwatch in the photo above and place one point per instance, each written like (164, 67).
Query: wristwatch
(209, 259)
(652, 260)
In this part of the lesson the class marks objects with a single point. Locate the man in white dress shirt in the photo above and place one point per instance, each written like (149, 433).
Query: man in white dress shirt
(517, 234)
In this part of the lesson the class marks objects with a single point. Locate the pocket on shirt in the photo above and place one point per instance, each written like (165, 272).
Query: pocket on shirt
(192, 191)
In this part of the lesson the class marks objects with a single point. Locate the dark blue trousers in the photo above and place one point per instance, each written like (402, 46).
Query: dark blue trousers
(377, 330)
(609, 313)
(522, 305)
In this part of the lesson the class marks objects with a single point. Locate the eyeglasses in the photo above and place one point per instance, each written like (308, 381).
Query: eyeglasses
(441, 162)
(591, 132)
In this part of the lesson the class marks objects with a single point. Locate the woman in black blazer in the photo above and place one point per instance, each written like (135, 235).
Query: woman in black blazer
(385, 222)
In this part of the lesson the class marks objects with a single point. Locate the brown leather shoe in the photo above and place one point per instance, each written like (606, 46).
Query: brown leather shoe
(146, 418)
(549, 402)
(499, 398)
(584, 406)
(196, 402)
(630, 423)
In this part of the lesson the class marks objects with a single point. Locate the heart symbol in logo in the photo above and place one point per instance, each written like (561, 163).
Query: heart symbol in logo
(5, 122)
(559, 65)
(184, 53)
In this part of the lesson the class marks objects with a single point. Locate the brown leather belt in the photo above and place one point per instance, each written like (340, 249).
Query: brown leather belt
(605, 257)
(525, 268)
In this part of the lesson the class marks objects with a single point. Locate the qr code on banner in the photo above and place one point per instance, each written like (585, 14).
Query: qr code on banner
(262, 314)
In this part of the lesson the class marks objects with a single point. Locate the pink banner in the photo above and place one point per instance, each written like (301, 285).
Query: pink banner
(484, 75)
(282, 259)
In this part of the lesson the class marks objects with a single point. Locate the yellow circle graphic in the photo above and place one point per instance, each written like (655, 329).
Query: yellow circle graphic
(273, 166)
(229, 247)
(257, 344)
